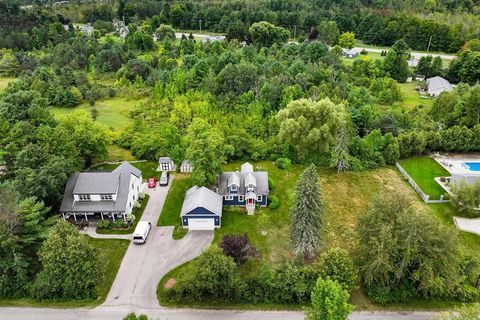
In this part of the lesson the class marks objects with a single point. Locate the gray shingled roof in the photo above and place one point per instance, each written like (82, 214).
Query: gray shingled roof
(96, 183)
(202, 197)
(165, 160)
(437, 85)
(261, 178)
(122, 173)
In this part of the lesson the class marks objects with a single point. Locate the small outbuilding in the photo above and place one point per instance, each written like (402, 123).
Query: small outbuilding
(351, 53)
(201, 209)
(186, 166)
(166, 164)
(437, 85)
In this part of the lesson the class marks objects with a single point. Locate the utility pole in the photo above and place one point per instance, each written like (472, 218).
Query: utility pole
(294, 32)
(429, 43)
(200, 21)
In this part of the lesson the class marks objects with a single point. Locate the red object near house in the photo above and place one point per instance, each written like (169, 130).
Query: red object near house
(152, 182)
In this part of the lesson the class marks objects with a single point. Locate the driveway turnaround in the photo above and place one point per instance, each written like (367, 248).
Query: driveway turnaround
(144, 265)
(468, 225)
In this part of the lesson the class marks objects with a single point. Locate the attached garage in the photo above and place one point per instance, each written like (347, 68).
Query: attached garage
(202, 209)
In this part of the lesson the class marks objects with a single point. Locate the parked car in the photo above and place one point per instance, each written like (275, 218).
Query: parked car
(152, 182)
(164, 178)
(141, 232)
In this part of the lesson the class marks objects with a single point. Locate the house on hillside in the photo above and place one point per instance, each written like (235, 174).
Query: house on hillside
(437, 85)
(87, 29)
(102, 194)
(201, 209)
(186, 166)
(166, 164)
(351, 53)
(246, 188)
(121, 29)
(213, 38)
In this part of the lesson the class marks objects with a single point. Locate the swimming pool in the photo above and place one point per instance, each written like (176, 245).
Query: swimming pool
(473, 166)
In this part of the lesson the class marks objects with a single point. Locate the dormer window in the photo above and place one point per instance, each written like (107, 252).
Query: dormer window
(250, 187)
(84, 197)
(233, 187)
(106, 197)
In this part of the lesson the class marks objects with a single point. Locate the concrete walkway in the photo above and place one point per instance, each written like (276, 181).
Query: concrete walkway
(468, 225)
(92, 233)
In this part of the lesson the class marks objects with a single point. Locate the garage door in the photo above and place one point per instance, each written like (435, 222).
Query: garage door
(201, 224)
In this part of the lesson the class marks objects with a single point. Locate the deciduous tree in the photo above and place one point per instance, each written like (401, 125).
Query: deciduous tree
(329, 302)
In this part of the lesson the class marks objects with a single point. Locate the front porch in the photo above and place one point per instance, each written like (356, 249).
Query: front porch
(93, 216)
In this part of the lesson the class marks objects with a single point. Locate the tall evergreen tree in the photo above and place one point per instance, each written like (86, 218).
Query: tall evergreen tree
(306, 216)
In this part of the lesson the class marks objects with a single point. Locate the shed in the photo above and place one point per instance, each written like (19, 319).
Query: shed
(186, 166)
(201, 209)
(166, 164)
(437, 85)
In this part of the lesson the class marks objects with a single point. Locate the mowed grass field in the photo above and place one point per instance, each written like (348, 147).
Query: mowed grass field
(346, 196)
(113, 113)
(411, 97)
(110, 255)
(423, 170)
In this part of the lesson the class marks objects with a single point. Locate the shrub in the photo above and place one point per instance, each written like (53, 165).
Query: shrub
(274, 202)
(104, 224)
(137, 205)
(283, 163)
(238, 247)
(338, 266)
(329, 302)
(271, 183)
(119, 224)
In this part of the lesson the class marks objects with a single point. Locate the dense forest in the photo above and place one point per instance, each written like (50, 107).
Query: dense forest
(253, 97)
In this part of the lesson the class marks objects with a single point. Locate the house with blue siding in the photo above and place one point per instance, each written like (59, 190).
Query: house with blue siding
(201, 209)
(246, 188)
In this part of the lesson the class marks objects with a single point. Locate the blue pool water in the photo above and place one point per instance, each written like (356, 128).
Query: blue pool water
(473, 166)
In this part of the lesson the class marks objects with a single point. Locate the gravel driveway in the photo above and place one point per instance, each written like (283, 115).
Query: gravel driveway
(144, 265)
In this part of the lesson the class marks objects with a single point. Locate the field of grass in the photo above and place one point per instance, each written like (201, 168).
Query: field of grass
(411, 97)
(110, 254)
(148, 168)
(369, 55)
(4, 83)
(423, 170)
(117, 153)
(113, 113)
(138, 212)
(170, 215)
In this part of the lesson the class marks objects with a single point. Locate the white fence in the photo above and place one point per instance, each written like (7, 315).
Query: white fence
(425, 197)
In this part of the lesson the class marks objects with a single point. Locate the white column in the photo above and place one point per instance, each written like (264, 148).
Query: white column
(63, 215)
(101, 214)
(74, 216)
(113, 216)
(124, 217)
(86, 218)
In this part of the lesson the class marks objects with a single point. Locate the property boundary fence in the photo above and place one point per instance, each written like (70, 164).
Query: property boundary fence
(425, 197)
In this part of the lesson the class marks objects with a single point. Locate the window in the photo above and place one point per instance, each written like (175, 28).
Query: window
(106, 197)
(84, 197)
(259, 198)
(233, 187)
(132, 186)
(228, 197)
(250, 187)
(240, 198)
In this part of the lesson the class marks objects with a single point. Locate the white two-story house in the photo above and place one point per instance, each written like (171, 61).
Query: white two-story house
(103, 194)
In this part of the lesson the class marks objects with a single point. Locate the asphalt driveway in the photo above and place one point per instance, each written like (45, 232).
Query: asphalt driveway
(144, 265)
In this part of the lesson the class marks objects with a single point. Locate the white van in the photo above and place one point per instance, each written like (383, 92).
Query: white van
(141, 232)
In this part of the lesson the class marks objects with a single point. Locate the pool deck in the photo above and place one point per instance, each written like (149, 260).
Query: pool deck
(455, 163)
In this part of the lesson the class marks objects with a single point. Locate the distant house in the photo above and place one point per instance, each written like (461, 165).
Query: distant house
(87, 29)
(213, 38)
(437, 85)
(201, 209)
(104, 194)
(413, 62)
(351, 53)
(246, 188)
(166, 164)
(121, 29)
(186, 166)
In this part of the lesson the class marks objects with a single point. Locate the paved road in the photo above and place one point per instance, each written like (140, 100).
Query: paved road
(109, 313)
(415, 54)
(144, 265)
(468, 225)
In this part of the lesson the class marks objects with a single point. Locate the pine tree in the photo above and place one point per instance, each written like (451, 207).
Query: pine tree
(306, 216)
(340, 153)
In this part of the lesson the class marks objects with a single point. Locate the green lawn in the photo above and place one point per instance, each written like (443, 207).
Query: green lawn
(148, 168)
(110, 254)
(138, 212)
(346, 196)
(423, 170)
(117, 153)
(4, 83)
(412, 97)
(369, 55)
(170, 215)
(113, 113)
